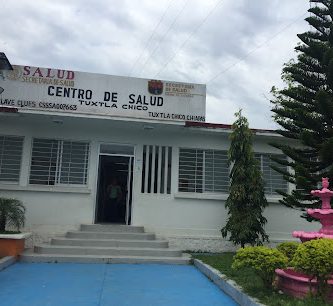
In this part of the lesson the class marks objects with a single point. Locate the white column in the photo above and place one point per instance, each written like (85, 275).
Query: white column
(166, 169)
(174, 170)
(146, 169)
(26, 161)
(159, 169)
(153, 158)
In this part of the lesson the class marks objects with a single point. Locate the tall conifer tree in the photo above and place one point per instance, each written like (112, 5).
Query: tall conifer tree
(304, 108)
(246, 201)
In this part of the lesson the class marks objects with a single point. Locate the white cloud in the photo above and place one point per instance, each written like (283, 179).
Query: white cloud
(109, 37)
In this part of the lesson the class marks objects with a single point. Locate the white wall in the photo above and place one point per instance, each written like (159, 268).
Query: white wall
(190, 221)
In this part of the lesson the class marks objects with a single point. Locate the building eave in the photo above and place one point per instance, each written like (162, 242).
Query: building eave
(227, 128)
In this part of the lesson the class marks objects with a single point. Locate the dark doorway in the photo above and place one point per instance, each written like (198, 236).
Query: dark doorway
(114, 192)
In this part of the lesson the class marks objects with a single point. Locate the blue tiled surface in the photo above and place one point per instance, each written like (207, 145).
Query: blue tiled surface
(103, 285)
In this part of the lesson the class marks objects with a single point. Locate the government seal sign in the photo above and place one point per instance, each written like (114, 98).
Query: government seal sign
(155, 87)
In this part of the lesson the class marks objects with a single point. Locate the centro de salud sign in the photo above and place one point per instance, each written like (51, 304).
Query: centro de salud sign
(55, 90)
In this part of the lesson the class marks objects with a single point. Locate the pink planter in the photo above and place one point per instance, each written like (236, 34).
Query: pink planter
(297, 284)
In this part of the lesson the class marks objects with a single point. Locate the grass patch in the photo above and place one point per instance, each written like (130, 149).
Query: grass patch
(252, 284)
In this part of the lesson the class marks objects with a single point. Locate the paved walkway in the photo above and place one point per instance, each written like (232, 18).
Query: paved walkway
(103, 285)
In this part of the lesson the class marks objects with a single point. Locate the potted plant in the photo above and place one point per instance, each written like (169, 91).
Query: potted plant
(12, 216)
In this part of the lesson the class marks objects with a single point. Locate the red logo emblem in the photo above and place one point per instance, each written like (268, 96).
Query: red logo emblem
(155, 87)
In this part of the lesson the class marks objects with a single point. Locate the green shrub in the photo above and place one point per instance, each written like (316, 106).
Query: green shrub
(288, 248)
(315, 258)
(262, 260)
(12, 214)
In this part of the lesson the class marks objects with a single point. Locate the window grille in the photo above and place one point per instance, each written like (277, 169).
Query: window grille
(273, 180)
(156, 169)
(203, 171)
(11, 148)
(59, 162)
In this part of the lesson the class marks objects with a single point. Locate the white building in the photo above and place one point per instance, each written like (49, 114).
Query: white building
(64, 135)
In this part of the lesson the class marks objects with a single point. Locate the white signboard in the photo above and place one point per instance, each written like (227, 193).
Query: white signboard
(57, 90)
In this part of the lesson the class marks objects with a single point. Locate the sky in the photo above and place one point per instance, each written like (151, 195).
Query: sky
(237, 48)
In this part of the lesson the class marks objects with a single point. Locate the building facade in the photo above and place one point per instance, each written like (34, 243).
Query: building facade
(173, 174)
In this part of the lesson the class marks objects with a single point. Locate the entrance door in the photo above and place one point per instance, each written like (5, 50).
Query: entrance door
(114, 192)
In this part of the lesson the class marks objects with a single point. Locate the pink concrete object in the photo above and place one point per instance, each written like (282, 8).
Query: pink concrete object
(298, 284)
(325, 218)
(324, 194)
(306, 236)
(323, 214)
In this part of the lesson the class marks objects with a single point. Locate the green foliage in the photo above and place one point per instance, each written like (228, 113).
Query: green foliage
(12, 214)
(304, 108)
(246, 200)
(252, 285)
(315, 258)
(288, 248)
(262, 260)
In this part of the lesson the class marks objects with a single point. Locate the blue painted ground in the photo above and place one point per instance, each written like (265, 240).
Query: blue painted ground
(104, 285)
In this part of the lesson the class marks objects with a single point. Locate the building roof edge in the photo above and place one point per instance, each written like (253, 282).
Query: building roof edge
(208, 125)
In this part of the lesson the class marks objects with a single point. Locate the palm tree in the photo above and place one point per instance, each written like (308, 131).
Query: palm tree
(12, 213)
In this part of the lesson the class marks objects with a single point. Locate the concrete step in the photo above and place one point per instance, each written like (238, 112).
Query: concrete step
(106, 243)
(29, 256)
(108, 251)
(110, 243)
(109, 235)
(111, 228)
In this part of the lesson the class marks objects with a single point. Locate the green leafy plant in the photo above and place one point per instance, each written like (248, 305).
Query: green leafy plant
(288, 248)
(12, 214)
(252, 285)
(315, 258)
(246, 201)
(262, 260)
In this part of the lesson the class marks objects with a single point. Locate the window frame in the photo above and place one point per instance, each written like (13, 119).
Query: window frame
(203, 179)
(58, 165)
(17, 182)
(272, 192)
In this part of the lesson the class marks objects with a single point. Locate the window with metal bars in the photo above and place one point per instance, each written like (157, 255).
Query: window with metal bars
(156, 169)
(11, 148)
(203, 171)
(273, 180)
(59, 162)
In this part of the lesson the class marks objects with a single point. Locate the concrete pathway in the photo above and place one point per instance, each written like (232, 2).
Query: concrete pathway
(102, 285)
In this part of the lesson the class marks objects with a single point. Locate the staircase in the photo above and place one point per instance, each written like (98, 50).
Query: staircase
(96, 243)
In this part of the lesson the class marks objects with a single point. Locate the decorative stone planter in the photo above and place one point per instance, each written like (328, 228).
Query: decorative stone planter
(297, 284)
(12, 244)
